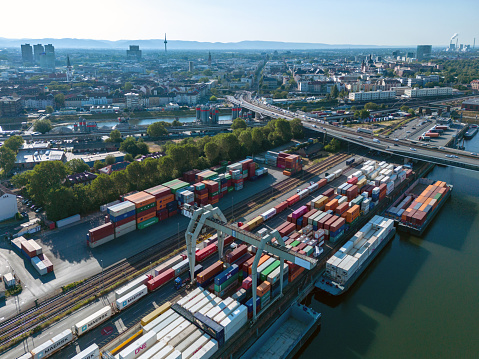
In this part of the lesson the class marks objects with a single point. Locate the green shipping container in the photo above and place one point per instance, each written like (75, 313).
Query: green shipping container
(147, 223)
(295, 243)
(144, 208)
(309, 250)
(231, 189)
(264, 274)
(214, 194)
(219, 288)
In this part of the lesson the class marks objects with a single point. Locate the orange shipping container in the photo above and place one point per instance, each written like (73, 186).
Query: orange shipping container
(263, 288)
(145, 217)
(293, 276)
(140, 199)
(331, 205)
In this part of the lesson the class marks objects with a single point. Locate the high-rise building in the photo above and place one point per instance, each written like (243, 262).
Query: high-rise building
(37, 50)
(47, 58)
(190, 66)
(423, 52)
(134, 52)
(27, 54)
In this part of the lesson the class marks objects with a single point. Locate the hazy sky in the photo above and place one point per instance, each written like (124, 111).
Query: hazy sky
(370, 22)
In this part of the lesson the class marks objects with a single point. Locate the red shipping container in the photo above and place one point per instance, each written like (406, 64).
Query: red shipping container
(237, 253)
(329, 222)
(301, 246)
(172, 213)
(292, 200)
(294, 235)
(100, 232)
(46, 262)
(323, 220)
(290, 218)
(282, 226)
(343, 207)
(353, 180)
(337, 224)
(281, 207)
(127, 220)
(160, 280)
(309, 214)
(247, 283)
(289, 241)
(210, 272)
(228, 240)
(328, 192)
(158, 191)
(302, 253)
(204, 253)
(287, 230)
(244, 258)
(322, 182)
(382, 187)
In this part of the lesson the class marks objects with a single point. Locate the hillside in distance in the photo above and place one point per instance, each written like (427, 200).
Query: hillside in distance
(157, 44)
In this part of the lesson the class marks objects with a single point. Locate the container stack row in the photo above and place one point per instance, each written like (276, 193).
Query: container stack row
(34, 252)
(344, 263)
(421, 207)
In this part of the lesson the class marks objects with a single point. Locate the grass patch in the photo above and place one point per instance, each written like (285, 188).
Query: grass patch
(17, 289)
(70, 286)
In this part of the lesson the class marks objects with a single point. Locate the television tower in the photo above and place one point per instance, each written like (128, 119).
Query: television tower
(165, 42)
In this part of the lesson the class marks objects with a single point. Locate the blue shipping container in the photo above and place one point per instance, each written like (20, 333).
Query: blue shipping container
(211, 328)
(249, 304)
(122, 216)
(226, 274)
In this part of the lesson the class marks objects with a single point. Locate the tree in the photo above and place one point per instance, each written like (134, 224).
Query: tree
(59, 100)
(239, 123)
(229, 146)
(7, 159)
(212, 152)
(49, 109)
(333, 146)
(297, 128)
(258, 138)
(14, 143)
(61, 202)
(362, 114)
(98, 165)
(128, 157)
(246, 140)
(115, 136)
(128, 86)
(404, 108)
(207, 72)
(304, 109)
(42, 126)
(176, 123)
(77, 165)
(156, 129)
(371, 106)
(213, 98)
(334, 91)
(109, 160)
(411, 112)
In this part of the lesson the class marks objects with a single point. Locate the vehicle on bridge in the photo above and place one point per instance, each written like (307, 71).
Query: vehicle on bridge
(365, 130)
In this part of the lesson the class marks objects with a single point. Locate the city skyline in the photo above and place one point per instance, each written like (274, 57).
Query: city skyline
(373, 23)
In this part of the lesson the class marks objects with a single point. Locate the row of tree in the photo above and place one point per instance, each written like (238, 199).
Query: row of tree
(46, 184)
(8, 153)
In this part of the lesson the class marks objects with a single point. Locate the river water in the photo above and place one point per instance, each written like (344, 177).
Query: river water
(420, 297)
(149, 121)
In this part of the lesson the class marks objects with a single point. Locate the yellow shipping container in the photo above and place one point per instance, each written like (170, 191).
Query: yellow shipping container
(155, 314)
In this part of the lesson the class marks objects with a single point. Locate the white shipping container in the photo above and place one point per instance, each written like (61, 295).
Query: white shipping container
(162, 317)
(175, 355)
(164, 353)
(183, 335)
(52, 345)
(121, 208)
(139, 346)
(206, 350)
(69, 220)
(175, 332)
(153, 350)
(197, 307)
(163, 324)
(193, 348)
(196, 300)
(130, 286)
(238, 316)
(228, 310)
(131, 297)
(93, 320)
(92, 352)
(210, 305)
(39, 265)
(122, 232)
(189, 340)
(170, 327)
(127, 225)
(26, 356)
(189, 296)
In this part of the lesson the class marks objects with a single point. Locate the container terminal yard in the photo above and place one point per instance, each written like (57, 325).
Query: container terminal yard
(337, 223)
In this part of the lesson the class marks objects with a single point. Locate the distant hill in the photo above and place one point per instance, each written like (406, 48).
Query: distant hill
(157, 44)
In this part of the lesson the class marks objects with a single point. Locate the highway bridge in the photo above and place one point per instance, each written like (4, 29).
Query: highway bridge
(406, 148)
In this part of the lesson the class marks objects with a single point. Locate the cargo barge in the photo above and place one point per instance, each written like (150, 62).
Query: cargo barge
(286, 335)
(471, 132)
(337, 280)
(424, 199)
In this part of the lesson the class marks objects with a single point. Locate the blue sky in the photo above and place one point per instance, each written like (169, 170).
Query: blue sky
(369, 22)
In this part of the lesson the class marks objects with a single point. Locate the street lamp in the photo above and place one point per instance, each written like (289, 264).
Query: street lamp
(101, 261)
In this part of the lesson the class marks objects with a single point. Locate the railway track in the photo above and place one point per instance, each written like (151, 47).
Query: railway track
(21, 325)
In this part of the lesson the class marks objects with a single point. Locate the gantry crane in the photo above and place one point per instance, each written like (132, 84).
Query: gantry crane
(213, 217)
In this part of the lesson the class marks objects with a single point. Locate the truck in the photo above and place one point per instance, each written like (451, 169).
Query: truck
(180, 283)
